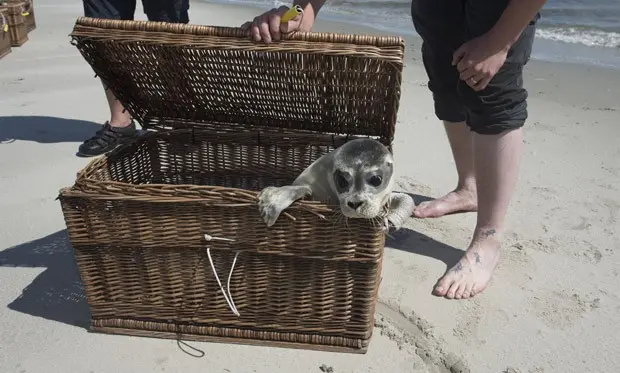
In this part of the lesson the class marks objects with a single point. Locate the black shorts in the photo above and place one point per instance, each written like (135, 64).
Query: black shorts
(174, 11)
(444, 26)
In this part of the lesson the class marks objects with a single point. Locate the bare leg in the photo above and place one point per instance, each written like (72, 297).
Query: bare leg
(463, 198)
(496, 159)
(118, 130)
(118, 116)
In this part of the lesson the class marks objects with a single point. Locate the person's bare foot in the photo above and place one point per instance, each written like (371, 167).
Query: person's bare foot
(472, 274)
(460, 200)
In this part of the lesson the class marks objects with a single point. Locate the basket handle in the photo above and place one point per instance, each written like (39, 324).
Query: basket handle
(234, 32)
(26, 8)
(228, 298)
(25, 12)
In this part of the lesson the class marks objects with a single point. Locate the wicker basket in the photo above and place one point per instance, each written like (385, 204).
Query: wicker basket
(5, 36)
(166, 230)
(17, 23)
(28, 11)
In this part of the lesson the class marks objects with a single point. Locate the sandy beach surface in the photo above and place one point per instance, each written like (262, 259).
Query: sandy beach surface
(553, 306)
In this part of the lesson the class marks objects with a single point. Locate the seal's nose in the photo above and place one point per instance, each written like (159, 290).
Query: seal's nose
(354, 205)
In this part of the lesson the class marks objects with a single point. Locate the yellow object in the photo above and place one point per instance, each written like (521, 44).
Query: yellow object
(25, 14)
(291, 13)
(6, 28)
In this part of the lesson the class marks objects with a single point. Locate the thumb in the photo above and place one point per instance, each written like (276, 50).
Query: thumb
(291, 26)
(459, 54)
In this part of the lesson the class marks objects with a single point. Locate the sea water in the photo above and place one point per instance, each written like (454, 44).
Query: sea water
(578, 31)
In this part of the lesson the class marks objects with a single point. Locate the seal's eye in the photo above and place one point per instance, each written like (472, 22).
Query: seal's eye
(341, 180)
(375, 181)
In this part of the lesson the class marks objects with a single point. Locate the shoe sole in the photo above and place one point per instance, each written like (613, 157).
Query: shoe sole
(120, 143)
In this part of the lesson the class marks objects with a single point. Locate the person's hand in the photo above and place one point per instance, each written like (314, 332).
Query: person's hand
(267, 26)
(478, 60)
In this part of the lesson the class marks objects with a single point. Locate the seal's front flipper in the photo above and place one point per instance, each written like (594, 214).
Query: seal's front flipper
(273, 200)
(401, 208)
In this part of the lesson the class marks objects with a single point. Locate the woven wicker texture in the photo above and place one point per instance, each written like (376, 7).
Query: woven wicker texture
(137, 220)
(27, 6)
(18, 29)
(5, 37)
(31, 23)
(137, 217)
(320, 82)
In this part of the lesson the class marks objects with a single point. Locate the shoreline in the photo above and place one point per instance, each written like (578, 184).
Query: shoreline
(536, 75)
(546, 50)
(537, 71)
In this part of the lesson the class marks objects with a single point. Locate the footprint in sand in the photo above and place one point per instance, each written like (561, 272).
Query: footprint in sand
(420, 273)
(581, 250)
(536, 370)
(516, 266)
(599, 213)
(560, 310)
(583, 225)
(470, 315)
(467, 326)
(416, 336)
(613, 210)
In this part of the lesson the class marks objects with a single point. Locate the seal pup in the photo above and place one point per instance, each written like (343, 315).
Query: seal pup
(357, 176)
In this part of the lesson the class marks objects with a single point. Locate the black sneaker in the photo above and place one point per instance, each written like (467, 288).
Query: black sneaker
(107, 139)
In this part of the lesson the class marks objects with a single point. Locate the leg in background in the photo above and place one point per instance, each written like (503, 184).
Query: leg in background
(120, 128)
(119, 117)
(463, 198)
(435, 22)
(174, 11)
(487, 161)
(496, 116)
(496, 159)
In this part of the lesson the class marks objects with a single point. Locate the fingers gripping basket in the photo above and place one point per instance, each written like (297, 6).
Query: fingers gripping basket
(166, 230)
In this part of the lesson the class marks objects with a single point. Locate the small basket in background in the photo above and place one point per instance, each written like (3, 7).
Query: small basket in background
(16, 16)
(28, 12)
(5, 37)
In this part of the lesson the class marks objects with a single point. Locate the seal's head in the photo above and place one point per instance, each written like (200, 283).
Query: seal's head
(362, 177)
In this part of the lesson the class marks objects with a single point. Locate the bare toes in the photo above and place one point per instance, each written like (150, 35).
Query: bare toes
(460, 291)
(476, 289)
(452, 292)
(442, 287)
(467, 292)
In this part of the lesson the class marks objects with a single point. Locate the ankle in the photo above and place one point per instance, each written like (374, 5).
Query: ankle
(467, 191)
(467, 185)
(485, 233)
(121, 122)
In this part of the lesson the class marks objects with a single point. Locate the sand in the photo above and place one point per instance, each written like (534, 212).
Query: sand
(553, 305)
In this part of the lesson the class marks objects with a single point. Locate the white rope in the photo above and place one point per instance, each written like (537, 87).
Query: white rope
(228, 298)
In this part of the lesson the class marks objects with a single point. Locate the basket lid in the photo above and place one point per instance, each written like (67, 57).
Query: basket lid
(176, 75)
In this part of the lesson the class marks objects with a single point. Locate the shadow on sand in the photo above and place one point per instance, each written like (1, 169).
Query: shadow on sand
(418, 243)
(45, 130)
(57, 293)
